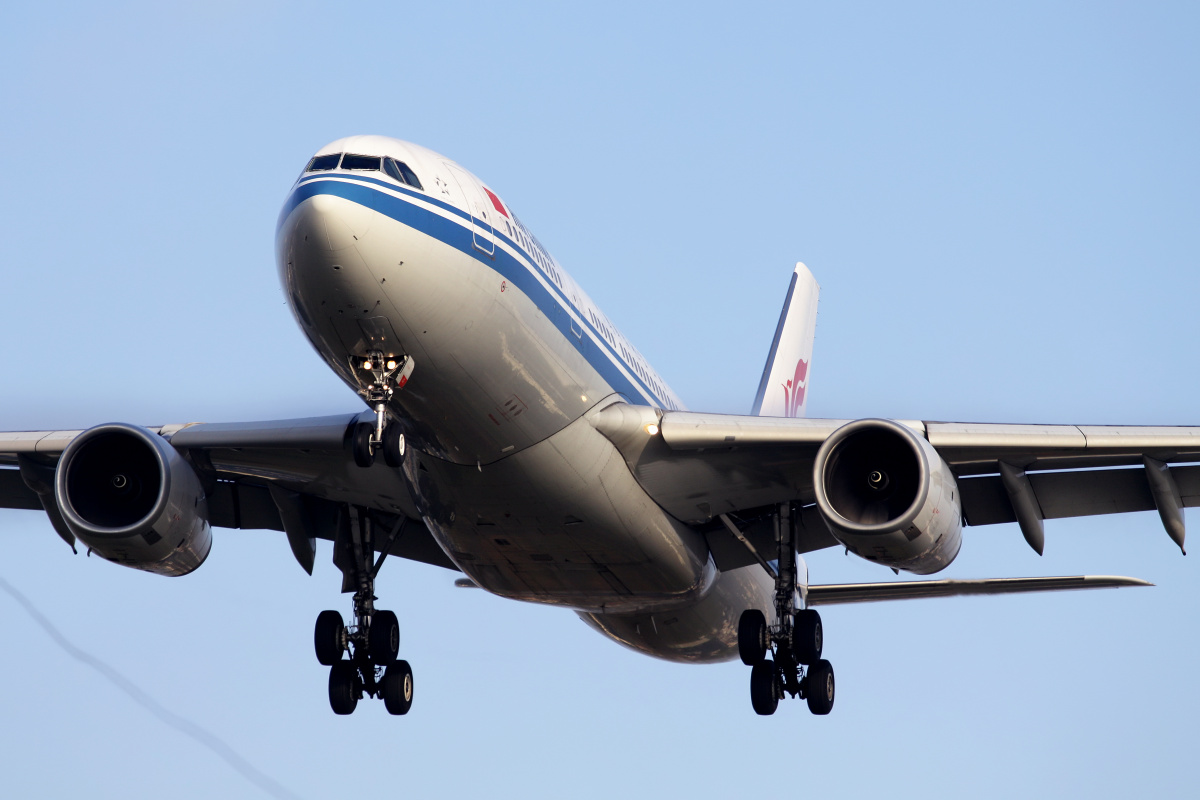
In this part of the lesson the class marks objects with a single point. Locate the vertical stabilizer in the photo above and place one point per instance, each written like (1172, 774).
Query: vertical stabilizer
(783, 390)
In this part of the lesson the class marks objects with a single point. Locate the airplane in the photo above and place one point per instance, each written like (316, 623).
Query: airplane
(512, 434)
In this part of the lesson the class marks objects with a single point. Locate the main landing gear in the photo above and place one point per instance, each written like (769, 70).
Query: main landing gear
(785, 657)
(372, 640)
(384, 376)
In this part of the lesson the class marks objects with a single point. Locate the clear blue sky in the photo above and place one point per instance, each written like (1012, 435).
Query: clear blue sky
(999, 202)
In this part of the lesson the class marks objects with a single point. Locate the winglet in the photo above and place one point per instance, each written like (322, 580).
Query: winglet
(783, 389)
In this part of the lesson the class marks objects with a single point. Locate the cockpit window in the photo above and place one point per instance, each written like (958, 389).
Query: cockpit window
(392, 169)
(401, 172)
(321, 163)
(351, 161)
(410, 177)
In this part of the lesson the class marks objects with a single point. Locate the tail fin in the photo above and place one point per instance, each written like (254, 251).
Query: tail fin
(783, 390)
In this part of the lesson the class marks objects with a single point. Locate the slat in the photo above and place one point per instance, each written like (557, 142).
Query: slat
(1141, 438)
(1026, 438)
(35, 442)
(687, 430)
(684, 430)
(974, 448)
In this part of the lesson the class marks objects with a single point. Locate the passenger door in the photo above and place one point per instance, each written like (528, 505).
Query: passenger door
(479, 207)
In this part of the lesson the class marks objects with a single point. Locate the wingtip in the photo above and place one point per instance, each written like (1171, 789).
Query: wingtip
(1118, 581)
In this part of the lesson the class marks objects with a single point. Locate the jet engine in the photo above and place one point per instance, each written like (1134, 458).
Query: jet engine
(888, 496)
(131, 498)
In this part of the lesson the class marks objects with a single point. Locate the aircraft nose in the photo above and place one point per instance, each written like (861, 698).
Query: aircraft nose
(330, 223)
(320, 254)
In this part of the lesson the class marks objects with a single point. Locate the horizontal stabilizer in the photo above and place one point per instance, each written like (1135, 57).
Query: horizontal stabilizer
(916, 590)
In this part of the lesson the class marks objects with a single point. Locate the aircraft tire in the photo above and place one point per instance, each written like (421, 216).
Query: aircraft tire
(819, 688)
(807, 637)
(343, 687)
(397, 688)
(764, 688)
(752, 637)
(383, 638)
(328, 637)
(361, 441)
(393, 446)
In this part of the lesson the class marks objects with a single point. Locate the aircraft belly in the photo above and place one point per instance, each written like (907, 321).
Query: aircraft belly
(562, 522)
(493, 374)
(702, 632)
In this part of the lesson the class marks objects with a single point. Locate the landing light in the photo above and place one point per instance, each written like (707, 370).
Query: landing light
(652, 429)
(366, 365)
(391, 365)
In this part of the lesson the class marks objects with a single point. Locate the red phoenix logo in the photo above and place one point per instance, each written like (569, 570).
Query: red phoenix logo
(793, 390)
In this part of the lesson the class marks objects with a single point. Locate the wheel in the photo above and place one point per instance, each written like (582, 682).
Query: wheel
(393, 445)
(819, 687)
(752, 637)
(807, 637)
(398, 688)
(383, 638)
(343, 687)
(364, 456)
(328, 637)
(764, 687)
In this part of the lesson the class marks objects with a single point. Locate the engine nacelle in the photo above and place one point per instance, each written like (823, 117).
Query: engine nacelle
(888, 496)
(131, 498)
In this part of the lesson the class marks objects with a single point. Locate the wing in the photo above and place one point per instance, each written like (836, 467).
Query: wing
(699, 466)
(284, 475)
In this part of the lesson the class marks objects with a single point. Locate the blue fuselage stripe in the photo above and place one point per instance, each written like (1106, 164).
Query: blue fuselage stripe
(442, 204)
(552, 302)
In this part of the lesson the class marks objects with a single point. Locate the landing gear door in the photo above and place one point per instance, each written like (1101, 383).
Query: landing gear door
(480, 208)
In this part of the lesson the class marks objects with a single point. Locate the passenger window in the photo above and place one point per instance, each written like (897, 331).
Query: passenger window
(360, 162)
(322, 163)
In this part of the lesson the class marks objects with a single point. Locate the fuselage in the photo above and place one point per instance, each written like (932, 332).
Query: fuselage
(399, 250)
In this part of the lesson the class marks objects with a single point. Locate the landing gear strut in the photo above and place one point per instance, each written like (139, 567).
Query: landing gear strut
(372, 640)
(785, 658)
(380, 377)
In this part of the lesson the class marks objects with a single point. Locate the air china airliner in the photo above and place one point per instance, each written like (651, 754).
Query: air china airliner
(511, 433)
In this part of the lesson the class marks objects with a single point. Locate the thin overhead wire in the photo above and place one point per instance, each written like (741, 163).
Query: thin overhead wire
(186, 727)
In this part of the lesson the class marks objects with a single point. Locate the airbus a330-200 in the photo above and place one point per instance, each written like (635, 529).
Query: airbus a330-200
(511, 433)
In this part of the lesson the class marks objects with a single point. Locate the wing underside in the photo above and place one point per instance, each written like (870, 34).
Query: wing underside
(274, 475)
(700, 466)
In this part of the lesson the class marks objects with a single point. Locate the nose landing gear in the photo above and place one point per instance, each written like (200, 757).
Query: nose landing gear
(380, 377)
(794, 643)
(372, 640)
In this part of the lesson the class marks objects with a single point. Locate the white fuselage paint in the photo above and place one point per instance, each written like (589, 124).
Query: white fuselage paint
(516, 485)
